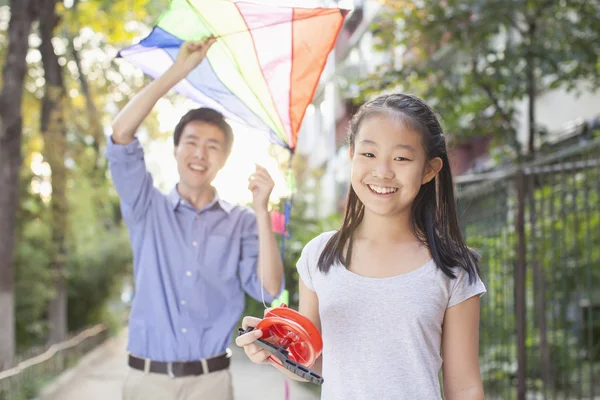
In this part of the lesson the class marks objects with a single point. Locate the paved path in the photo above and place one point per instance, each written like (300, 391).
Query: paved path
(100, 374)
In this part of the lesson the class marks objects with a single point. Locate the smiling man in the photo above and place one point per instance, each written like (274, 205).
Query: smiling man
(195, 255)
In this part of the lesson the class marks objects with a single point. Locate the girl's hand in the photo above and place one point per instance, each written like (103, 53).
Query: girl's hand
(254, 353)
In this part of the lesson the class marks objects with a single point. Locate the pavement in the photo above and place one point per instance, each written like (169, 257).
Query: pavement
(100, 375)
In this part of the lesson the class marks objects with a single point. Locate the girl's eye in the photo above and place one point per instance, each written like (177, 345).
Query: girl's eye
(370, 155)
(401, 159)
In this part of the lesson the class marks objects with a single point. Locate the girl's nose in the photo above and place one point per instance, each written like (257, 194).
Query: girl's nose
(383, 171)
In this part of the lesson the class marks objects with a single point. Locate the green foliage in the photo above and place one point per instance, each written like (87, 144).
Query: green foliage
(32, 267)
(99, 255)
(471, 58)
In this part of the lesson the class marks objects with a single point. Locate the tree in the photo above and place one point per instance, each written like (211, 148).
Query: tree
(85, 36)
(474, 59)
(53, 129)
(22, 15)
(73, 148)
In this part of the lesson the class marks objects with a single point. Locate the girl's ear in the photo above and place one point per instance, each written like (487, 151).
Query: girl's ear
(433, 167)
(351, 153)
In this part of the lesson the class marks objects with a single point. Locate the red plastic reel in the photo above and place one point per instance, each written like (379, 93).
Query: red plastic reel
(284, 327)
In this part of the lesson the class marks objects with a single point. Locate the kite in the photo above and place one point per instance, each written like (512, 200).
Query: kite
(264, 68)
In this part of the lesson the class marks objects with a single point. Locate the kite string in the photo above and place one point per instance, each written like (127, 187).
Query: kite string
(287, 214)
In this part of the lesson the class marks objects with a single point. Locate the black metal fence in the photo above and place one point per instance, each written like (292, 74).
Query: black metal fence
(537, 228)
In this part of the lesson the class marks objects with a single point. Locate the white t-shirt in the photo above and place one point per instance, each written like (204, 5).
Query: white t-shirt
(382, 336)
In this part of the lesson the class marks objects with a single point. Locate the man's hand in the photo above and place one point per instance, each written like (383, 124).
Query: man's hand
(128, 121)
(191, 55)
(261, 185)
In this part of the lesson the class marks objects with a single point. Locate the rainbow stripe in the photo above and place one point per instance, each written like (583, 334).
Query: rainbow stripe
(262, 71)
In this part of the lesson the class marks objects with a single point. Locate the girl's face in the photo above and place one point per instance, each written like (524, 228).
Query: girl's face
(389, 165)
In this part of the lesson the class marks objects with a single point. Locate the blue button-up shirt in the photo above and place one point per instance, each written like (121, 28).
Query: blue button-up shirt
(191, 267)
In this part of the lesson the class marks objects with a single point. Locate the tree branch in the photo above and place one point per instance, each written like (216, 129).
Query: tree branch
(495, 102)
(93, 117)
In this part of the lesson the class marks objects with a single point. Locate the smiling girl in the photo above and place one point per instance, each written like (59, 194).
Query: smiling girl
(395, 291)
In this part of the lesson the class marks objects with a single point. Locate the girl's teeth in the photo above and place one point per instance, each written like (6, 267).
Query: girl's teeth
(382, 190)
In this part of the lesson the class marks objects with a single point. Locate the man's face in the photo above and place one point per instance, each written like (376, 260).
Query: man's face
(200, 154)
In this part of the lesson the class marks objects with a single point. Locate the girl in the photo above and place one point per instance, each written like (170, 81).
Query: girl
(395, 292)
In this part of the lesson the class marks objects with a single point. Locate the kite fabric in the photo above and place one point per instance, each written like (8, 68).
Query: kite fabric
(264, 67)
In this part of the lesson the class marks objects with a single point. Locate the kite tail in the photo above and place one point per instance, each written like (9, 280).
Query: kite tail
(284, 227)
(287, 211)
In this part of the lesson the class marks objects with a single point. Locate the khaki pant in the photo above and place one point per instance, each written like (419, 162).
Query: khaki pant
(151, 386)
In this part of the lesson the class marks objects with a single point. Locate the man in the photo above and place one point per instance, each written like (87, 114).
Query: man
(194, 254)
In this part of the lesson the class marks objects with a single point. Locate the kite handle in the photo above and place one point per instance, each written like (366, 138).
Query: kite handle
(281, 354)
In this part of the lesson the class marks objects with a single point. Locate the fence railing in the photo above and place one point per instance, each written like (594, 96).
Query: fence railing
(25, 379)
(537, 227)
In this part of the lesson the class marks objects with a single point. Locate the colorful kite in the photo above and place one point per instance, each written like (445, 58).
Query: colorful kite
(263, 69)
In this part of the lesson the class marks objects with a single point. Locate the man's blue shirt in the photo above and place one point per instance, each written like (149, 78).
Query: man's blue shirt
(191, 267)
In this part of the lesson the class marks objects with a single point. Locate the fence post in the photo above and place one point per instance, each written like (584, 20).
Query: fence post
(539, 285)
(520, 276)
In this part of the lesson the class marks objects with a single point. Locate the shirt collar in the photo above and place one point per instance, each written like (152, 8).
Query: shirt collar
(176, 200)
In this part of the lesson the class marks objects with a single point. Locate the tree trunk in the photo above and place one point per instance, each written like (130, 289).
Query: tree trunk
(520, 275)
(531, 91)
(538, 273)
(22, 15)
(54, 132)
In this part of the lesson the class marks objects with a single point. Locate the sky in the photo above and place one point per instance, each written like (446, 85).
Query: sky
(249, 147)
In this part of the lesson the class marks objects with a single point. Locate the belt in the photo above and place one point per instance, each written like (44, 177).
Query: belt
(178, 369)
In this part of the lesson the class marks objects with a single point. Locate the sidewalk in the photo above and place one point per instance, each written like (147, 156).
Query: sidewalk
(100, 374)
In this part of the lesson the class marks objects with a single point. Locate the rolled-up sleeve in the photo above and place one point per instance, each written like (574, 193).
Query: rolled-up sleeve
(132, 180)
(249, 261)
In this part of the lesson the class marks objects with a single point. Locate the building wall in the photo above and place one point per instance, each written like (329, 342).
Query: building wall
(323, 129)
(472, 156)
(558, 110)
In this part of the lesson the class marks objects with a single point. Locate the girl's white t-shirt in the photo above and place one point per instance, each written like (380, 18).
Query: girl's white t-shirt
(382, 336)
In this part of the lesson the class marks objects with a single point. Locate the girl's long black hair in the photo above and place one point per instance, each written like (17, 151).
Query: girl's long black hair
(434, 214)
